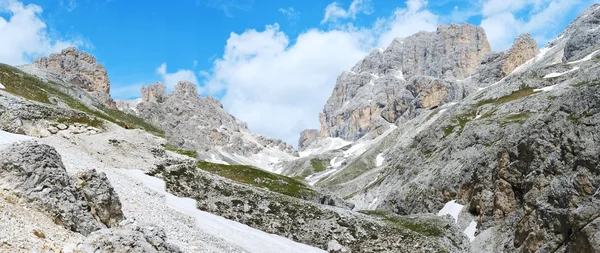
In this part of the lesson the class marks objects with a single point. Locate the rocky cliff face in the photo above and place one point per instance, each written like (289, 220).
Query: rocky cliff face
(498, 65)
(79, 68)
(389, 85)
(201, 124)
(519, 152)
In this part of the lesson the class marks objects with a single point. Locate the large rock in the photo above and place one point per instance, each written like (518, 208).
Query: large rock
(498, 65)
(374, 94)
(36, 173)
(523, 49)
(154, 93)
(79, 68)
(130, 237)
(307, 137)
(101, 197)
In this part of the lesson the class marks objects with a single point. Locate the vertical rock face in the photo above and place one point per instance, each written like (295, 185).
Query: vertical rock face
(523, 49)
(583, 35)
(79, 68)
(154, 93)
(389, 85)
(307, 137)
(497, 65)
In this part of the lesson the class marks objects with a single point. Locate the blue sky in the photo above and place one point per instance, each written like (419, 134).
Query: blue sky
(272, 63)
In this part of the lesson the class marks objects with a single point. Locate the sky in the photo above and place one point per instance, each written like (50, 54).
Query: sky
(273, 64)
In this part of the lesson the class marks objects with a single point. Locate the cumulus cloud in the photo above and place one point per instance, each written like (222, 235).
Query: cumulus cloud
(24, 34)
(503, 20)
(170, 79)
(334, 11)
(279, 87)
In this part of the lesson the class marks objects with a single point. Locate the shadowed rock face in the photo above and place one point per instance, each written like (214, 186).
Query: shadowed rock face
(35, 172)
(307, 137)
(374, 93)
(79, 68)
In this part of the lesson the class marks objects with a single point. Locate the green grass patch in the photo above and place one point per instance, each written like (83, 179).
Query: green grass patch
(417, 225)
(378, 213)
(24, 85)
(435, 112)
(190, 153)
(93, 122)
(260, 178)
(21, 84)
(515, 95)
(318, 165)
(515, 118)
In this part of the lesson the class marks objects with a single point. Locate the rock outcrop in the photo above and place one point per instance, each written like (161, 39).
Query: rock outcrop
(132, 236)
(307, 137)
(523, 49)
(374, 93)
(81, 69)
(36, 173)
(102, 199)
(498, 65)
(201, 124)
(154, 93)
(308, 222)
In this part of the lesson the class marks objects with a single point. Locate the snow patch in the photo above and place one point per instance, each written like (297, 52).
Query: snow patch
(335, 163)
(326, 144)
(252, 240)
(587, 58)
(549, 88)
(552, 75)
(451, 208)
(373, 203)
(380, 50)
(376, 76)
(2, 87)
(379, 160)
(8, 138)
(470, 230)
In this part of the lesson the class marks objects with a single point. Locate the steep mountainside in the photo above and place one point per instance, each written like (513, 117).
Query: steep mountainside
(419, 71)
(202, 125)
(520, 151)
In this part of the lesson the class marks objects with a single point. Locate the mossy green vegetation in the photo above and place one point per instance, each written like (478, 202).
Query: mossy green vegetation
(260, 178)
(190, 153)
(377, 213)
(515, 95)
(318, 165)
(461, 120)
(93, 122)
(421, 226)
(24, 85)
(515, 118)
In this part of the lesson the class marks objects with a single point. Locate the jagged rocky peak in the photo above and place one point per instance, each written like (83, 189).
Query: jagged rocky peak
(154, 93)
(307, 137)
(497, 65)
(419, 71)
(523, 49)
(202, 124)
(79, 68)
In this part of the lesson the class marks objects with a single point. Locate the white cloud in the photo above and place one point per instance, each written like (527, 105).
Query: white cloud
(405, 22)
(503, 20)
(291, 13)
(279, 87)
(334, 12)
(24, 35)
(170, 79)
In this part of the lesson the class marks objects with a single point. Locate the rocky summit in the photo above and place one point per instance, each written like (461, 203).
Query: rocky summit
(433, 144)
